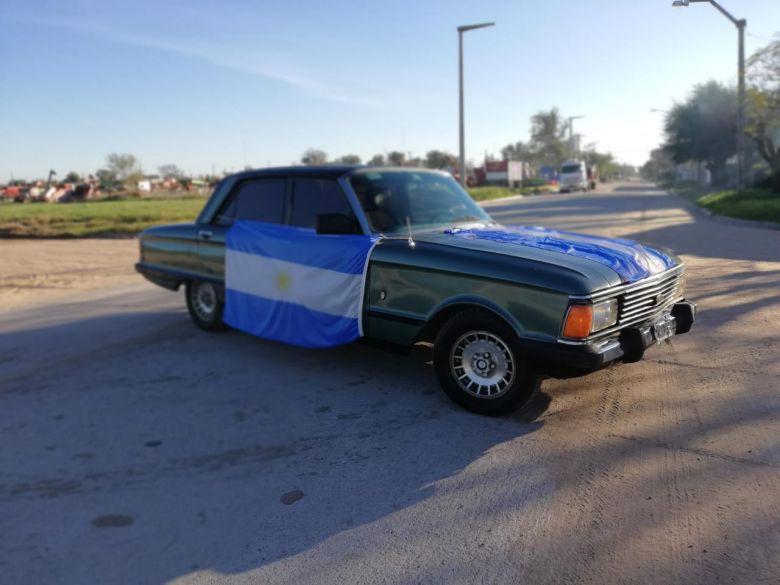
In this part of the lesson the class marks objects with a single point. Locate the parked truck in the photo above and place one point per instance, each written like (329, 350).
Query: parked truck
(574, 176)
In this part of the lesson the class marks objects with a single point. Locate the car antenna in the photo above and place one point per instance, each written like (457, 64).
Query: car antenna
(411, 239)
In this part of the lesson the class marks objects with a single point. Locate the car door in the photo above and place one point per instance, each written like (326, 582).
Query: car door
(261, 199)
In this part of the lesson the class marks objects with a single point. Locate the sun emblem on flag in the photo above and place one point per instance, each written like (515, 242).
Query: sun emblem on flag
(283, 281)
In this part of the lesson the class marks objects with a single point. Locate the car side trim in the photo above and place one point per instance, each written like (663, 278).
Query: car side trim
(391, 315)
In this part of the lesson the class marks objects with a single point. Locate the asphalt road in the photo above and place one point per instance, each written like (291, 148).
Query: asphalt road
(135, 448)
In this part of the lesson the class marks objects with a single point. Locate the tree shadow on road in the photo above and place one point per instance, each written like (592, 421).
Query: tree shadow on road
(733, 243)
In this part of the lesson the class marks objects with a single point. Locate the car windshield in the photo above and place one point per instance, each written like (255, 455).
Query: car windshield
(571, 169)
(423, 199)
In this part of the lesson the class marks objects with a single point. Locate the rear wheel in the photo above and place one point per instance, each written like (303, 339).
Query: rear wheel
(480, 366)
(204, 305)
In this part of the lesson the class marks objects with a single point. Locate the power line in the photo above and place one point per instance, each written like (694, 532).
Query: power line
(762, 38)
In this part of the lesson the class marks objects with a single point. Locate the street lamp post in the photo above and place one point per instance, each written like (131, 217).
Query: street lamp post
(571, 134)
(461, 30)
(741, 25)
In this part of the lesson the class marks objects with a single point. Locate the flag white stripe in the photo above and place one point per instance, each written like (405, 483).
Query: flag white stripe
(283, 281)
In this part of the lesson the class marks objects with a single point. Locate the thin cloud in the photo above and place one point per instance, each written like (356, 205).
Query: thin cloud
(213, 56)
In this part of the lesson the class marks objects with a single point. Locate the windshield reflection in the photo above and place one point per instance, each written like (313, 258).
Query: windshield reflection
(395, 200)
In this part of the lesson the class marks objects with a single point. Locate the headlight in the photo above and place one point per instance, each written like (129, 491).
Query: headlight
(582, 320)
(605, 314)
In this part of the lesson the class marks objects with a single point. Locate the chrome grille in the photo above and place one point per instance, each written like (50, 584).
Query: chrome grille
(646, 299)
(638, 302)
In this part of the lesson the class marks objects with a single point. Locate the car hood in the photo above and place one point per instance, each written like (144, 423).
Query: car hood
(629, 260)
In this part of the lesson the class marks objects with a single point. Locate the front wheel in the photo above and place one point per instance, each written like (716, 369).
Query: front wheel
(480, 366)
(204, 305)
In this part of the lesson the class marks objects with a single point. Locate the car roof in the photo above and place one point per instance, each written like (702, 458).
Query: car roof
(323, 171)
(326, 171)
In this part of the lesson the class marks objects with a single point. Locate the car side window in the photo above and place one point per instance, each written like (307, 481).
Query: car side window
(256, 201)
(227, 214)
(312, 197)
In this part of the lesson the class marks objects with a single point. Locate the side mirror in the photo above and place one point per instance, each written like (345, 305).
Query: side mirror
(336, 224)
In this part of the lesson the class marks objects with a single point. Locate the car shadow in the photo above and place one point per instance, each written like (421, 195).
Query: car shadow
(192, 447)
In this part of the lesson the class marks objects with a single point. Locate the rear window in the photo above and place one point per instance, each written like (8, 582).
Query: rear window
(256, 201)
(571, 169)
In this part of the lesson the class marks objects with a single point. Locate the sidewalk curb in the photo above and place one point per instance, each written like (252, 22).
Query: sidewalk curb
(703, 212)
(489, 202)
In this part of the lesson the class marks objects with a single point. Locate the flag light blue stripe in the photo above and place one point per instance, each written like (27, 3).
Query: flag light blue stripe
(287, 322)
(300, 245)
(292, 285)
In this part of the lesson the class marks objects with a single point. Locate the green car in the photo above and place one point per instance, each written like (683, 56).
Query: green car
(503, 306)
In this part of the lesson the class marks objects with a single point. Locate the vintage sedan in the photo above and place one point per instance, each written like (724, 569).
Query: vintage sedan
(503, 306)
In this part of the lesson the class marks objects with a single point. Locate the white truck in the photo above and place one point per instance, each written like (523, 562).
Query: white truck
(574, 176)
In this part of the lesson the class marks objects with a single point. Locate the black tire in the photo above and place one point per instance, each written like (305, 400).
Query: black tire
(507, 380)
(204, 305)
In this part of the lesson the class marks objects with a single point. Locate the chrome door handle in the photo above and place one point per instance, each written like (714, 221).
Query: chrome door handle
(205, 234)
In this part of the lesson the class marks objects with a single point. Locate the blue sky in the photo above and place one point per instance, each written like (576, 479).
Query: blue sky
(230, 83)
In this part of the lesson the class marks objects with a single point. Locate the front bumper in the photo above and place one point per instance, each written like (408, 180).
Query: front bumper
(563, 361)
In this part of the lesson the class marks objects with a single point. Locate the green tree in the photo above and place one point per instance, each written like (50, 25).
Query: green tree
(704, 129)
(348, 159)
(547, 145)
(607, 167)
(396, 158)
(123, 166)
(314, 156)
(378, 160)
(548, 132)
(763, 124)
(439, 159)
(73, 177)
(626, 171)
(660, 167)
(107, 179)
(170, 172)
(518, 151)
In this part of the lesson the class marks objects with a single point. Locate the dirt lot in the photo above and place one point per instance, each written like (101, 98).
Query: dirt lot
(138, 449)
(40, 271)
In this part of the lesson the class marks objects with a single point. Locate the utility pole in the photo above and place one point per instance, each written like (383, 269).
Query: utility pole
(741, 25)
(461, 30)
(741, 122)
(572, 150)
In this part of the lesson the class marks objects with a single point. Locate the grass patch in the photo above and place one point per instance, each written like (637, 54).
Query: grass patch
(754, 204)
(487, 193)
(94, 218)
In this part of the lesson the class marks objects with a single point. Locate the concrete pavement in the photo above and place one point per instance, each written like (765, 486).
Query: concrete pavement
(135, 448)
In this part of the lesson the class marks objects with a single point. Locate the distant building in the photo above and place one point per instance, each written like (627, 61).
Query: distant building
(510, 173)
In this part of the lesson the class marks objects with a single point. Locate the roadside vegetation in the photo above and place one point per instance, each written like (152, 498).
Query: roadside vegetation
(106, 218)
(755, 204)
(701, 134)
(752, 204)
(488, 193)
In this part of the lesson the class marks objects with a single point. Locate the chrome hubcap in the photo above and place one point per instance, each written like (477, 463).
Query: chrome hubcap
(483, 364)
(204, 300)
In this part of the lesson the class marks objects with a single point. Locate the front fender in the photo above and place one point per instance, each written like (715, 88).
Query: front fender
(444, 310)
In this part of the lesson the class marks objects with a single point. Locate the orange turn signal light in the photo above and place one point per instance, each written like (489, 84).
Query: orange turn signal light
(578, 322)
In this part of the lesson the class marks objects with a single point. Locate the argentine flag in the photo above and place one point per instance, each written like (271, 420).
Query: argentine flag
(293, 285)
